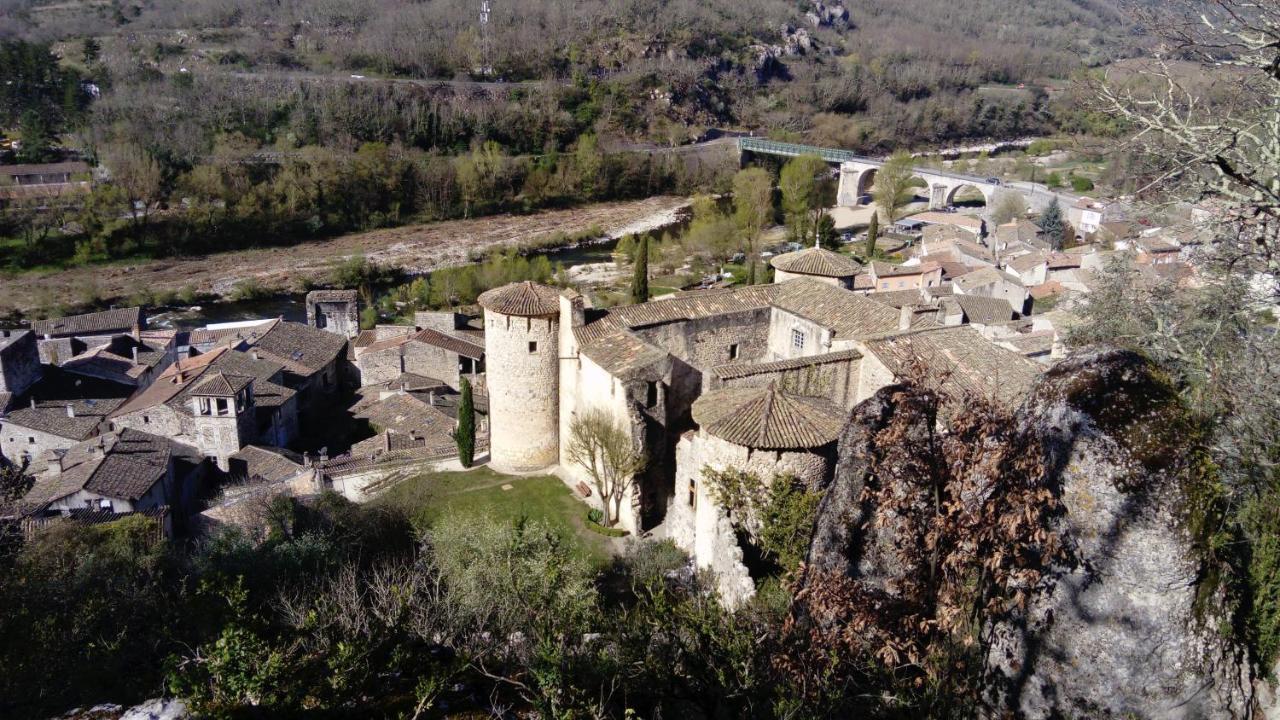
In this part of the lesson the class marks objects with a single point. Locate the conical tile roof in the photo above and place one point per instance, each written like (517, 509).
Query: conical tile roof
(817, 261)
(765, 418)
(525, 299)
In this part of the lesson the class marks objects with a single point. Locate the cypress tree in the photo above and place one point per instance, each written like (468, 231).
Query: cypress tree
(873, 230)
(640, 282)
(465, 434)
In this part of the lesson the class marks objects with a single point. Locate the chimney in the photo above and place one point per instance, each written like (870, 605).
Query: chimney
(904, 317)
(33, 402)
(71, 411)
(135, 354)
(431, 397)
(253, 353)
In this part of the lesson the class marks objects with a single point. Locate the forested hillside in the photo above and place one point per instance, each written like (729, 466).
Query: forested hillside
(873, 74)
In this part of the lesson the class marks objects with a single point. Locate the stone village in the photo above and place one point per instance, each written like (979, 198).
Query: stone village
(115, 417)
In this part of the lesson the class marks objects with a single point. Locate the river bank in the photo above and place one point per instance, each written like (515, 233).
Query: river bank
(415, 249)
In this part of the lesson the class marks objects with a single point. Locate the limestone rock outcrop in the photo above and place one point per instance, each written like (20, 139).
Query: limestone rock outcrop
(1125, 625)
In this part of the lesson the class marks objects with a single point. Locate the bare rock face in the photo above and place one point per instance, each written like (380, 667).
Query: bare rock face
(1125, 626)
(1120, 633)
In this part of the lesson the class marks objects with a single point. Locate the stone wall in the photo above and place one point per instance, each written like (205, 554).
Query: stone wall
(872, 375)
(523, 382)
(340, 317)
(220, 437)
(711, 341)
(19, 361)
(159, 420)
(836, 381)
(17, 441)
(702, 528)
(433, 362)
(782, 343)
(379, 366)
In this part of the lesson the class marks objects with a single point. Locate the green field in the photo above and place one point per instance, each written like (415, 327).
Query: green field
(478, 493)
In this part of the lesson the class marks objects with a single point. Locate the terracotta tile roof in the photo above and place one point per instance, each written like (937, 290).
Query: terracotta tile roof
(53, 416)
(696, 304)
(1044, 290)
(71, 166)
(1063, 261)
(366, 338)
(124, 465)
(984, 309)
(984, 276)
(952, 219)
(1036, 343)
(524, 299)
(265, 464)
(960, 361)
(405, 413)
(883, 269)
(846, 314)
(120, 320)
(765, 418)
(459, 344)
(1028, 262)
(741, 370)
(219, 384)
(899, 298)
(817, 261)
(302, 349)
(614, 348)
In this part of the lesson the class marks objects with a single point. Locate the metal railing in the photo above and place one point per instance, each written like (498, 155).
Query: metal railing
(835, 155)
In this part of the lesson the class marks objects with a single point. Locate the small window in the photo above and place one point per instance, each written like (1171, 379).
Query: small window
(884, 285)
(31, 441)
(733, 351)
(533, 346)
(902, 283)
(797, 339)
(146, 420)
(693, 493)
(651, 395)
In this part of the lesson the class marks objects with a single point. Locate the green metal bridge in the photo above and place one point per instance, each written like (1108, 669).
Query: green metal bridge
(773, 147)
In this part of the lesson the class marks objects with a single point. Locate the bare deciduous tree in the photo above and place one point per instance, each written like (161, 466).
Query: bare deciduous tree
(605, 450)
(1219, 138)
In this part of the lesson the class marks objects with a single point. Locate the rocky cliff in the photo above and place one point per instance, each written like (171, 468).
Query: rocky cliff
(1125, 617)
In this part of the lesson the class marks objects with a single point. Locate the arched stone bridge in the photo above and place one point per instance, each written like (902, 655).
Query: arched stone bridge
(857, 173)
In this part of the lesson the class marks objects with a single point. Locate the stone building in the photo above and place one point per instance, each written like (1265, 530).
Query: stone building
(54, 413)
(63, 338)
(335, 311)
(119, 472)
(522, 328)
(429, 352)
(19, 364)
(818, 263)
(266, 412)
(773, 435)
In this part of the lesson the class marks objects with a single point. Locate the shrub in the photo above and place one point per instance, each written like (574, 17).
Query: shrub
(599, 529)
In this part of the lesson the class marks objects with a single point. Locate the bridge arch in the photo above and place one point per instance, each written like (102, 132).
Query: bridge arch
(866, 181)
(986, 192)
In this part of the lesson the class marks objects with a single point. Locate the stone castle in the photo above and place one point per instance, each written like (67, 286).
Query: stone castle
(758, 378)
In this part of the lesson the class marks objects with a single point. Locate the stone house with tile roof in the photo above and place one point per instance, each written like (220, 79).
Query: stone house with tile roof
(19, 364)
(217, 402)
(990, 282)
(56, 412)
(119, 472)
(63, 338)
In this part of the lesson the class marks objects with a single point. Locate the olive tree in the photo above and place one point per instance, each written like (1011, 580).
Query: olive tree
(603, 447)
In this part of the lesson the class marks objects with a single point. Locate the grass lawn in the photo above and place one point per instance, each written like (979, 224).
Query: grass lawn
(478, 493)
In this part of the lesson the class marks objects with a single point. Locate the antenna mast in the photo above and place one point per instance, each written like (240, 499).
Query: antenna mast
(486, 62)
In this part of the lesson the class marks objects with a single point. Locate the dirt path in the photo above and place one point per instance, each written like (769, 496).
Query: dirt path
(417, 248)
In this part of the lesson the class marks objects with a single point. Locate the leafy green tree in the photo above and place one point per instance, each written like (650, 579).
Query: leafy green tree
(895, 184)
(464, 435)
(827, 235)
(873, 233)
(640, 276)
(803, 183)
(1054, 180)
(589, 162)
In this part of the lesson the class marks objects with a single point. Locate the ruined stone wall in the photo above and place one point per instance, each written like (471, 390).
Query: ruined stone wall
(433, 362)
(340, 318)
(159, 420)
(379, 366)
(708, 342)
(19, 361)
(702, 528)
(523, 382)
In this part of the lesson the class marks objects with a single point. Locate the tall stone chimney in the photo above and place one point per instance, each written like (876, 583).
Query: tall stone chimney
(71, 410)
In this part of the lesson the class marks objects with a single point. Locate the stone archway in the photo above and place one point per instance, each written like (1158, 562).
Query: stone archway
(955, 190)
(866, 181)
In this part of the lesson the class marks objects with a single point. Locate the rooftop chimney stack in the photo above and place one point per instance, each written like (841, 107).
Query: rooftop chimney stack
(71, 411)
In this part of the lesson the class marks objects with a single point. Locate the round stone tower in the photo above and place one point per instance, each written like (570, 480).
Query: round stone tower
(521, 327)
